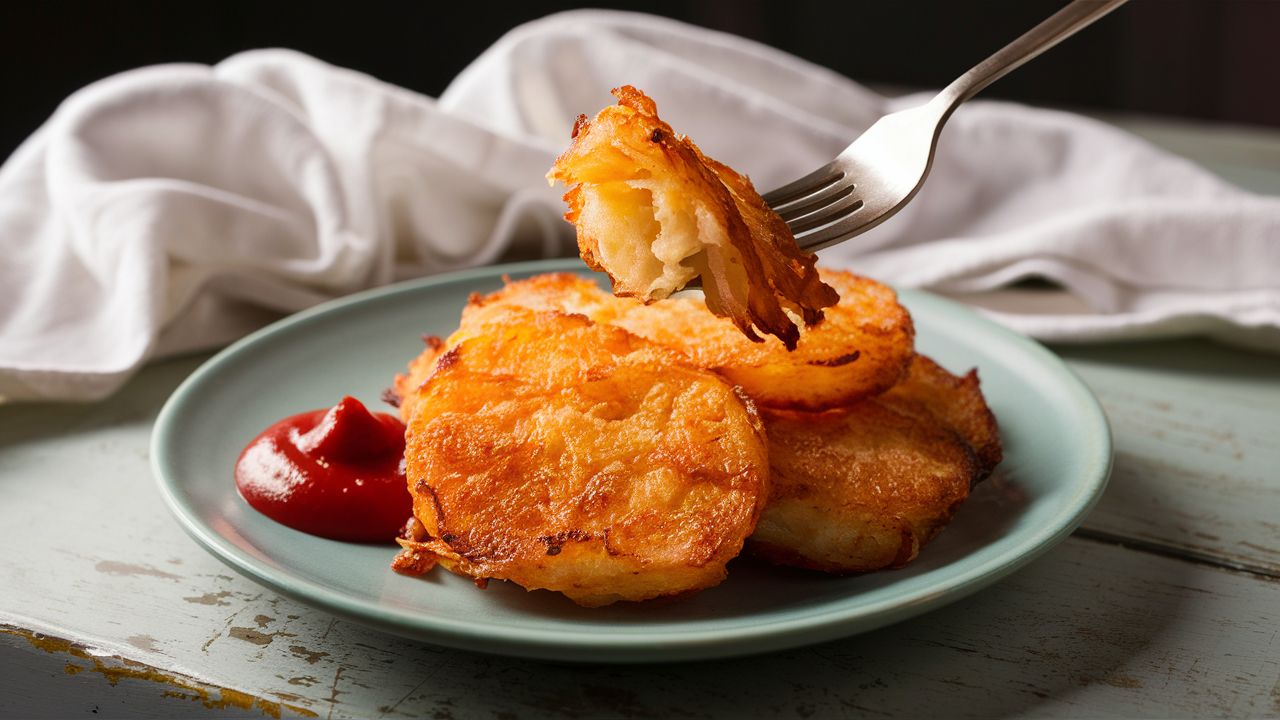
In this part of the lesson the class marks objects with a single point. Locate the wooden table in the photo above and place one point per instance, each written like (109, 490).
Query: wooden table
(1165, 603)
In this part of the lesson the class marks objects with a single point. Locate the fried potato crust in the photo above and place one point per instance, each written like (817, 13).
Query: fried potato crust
(654, 213)
(407, 386)
(865, 488)
(863, 347)
(953, 401)
(558, 453)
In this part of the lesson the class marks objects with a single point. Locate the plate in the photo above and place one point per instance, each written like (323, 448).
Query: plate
(1057, 458)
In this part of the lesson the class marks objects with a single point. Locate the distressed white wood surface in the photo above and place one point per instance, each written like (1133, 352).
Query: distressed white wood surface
(1142, 614)
(1197, 437)
(1091, 629)
(1091, 626)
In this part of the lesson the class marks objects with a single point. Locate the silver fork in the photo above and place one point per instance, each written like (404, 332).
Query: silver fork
(883, 169)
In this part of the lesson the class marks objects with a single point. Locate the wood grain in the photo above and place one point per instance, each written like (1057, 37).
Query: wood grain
(1089, 627)
(1197, 469)
(1092, 628)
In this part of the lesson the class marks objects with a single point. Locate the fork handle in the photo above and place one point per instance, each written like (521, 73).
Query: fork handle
(1056, 28)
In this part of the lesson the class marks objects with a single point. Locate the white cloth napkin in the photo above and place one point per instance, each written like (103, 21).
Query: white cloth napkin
(178, 207)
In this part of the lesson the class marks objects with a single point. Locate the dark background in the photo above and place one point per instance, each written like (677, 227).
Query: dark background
(1210, 59)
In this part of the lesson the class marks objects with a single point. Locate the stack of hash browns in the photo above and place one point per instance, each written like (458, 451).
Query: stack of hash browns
(567, 439)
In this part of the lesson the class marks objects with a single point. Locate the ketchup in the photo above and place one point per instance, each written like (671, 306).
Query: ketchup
(336, 473)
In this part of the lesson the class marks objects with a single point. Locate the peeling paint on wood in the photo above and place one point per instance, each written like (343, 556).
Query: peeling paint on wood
(218, 598)
(1091, 625)
(312, 657)
(255, 636)
(118, 568)
(114, 669)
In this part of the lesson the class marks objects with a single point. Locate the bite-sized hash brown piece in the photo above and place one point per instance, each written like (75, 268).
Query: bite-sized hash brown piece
(407, 386)
(862, 348)
(865, 488)
(562, 454)
(654, 213)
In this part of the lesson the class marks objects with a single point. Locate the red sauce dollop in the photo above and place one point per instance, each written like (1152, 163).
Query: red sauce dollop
(336, 473)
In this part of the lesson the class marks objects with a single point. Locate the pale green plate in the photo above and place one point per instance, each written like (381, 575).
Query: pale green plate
(1057, 458)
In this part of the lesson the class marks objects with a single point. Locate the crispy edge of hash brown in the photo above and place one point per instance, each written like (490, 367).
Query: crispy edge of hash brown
(863, 347)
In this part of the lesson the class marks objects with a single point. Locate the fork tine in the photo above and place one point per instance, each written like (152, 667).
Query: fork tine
(851, 224)
(843, 206)
(819, 179)
(792, 211)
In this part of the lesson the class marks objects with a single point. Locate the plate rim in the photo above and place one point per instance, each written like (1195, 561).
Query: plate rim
(827, 622)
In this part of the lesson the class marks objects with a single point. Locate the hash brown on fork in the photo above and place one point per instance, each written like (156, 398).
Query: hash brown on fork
(655, 213)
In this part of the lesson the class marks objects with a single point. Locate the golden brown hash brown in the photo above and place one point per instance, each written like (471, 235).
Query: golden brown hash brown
(865, 488)
(654, 213)
(572, 456)
(862, 348)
